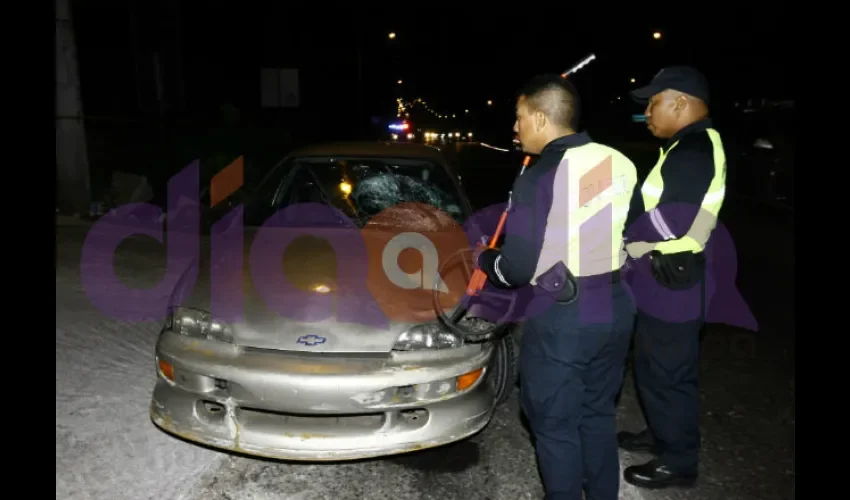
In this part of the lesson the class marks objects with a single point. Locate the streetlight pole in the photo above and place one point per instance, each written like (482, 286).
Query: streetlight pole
(72, 162)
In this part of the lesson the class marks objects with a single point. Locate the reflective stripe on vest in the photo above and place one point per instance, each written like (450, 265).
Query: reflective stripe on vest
(697, 237)
(592, 189)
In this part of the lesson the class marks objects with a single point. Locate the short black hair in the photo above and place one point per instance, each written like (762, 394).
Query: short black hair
(556, 97)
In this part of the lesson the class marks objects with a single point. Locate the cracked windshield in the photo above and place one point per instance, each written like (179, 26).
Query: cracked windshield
(364, 187)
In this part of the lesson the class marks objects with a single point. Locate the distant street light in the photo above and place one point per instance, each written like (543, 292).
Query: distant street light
(656, 35)
(633, 80)
(391, 36)
(400, 82)
(489, 103)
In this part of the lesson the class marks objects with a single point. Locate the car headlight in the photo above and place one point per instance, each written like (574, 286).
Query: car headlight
(427, 336)
(197, 323)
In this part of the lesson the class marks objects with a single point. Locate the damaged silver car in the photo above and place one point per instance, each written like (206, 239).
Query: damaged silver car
(328, 337)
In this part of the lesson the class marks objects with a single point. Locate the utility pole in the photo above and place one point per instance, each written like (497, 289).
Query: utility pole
(72, 163)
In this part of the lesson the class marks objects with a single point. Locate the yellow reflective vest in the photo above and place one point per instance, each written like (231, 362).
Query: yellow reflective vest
(592, 188)
(706, 220)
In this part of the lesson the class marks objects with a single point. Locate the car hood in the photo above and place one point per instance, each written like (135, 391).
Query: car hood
(292, 290)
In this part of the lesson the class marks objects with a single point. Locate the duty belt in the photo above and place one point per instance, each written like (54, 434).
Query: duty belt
(560, 284)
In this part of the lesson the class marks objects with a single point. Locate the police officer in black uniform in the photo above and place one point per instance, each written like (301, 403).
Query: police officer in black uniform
(681, 197)
(578, 325)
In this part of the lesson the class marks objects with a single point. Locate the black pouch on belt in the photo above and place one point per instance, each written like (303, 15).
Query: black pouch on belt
(678, 271)
(560, 283)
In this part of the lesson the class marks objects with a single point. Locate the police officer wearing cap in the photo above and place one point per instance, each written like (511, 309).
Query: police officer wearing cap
(564, 238)
(680, 198)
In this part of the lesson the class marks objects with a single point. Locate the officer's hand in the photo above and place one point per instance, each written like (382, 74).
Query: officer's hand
(638, 249)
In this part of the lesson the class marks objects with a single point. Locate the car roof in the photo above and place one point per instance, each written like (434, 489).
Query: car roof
(376, 149)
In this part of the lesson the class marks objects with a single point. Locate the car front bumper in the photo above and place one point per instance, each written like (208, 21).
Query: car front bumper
(298, 406)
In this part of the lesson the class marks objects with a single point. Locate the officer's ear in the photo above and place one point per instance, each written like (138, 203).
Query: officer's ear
(539, 121)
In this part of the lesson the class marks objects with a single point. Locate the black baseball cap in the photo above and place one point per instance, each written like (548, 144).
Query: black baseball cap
(682, 78)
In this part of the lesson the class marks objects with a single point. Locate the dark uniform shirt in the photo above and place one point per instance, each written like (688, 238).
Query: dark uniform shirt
(531, 200)
(687, 173)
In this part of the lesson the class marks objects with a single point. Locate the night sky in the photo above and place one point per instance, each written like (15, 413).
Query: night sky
(454, 59)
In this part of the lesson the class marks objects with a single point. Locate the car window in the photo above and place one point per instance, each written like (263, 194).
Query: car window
(363, 187)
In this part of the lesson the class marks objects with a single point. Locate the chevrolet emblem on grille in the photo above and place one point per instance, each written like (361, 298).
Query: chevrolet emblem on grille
(311, 340)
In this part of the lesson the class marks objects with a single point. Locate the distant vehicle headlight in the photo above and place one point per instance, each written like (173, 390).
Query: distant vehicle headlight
(427, 336)
(763, 144)
(197, 323)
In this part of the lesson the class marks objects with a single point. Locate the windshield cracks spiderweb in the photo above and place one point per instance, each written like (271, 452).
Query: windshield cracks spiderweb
(363, 188)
